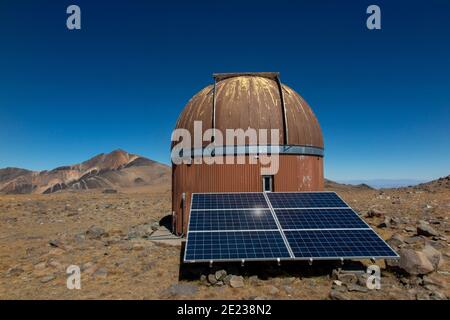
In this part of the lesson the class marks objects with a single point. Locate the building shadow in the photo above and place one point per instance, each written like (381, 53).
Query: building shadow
(265, 269)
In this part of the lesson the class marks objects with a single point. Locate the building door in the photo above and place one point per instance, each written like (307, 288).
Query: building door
(267, 182)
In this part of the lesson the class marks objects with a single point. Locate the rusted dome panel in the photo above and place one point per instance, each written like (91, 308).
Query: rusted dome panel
(249, 102)
(199, 108)
(252, 101)
(303, 127)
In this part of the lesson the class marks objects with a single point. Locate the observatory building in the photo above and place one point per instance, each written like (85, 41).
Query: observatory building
(242, 101)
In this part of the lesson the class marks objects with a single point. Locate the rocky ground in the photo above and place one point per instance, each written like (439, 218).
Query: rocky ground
(111, 237)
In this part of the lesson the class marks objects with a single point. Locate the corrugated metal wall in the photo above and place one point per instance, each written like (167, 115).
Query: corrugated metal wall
(296, 173)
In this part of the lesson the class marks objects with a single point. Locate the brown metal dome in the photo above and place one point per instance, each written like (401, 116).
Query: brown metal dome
(253, 100)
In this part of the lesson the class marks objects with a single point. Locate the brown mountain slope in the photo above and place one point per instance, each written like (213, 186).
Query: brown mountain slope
(335, 186)
(435, 185)
(118, 169)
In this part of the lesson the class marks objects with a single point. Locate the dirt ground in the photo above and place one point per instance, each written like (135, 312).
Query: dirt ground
(107, 235)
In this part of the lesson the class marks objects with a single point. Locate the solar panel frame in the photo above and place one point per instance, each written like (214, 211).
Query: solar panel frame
(318, 218)
(185, 256)
(274, 204)
(282, 232)
(255, 204)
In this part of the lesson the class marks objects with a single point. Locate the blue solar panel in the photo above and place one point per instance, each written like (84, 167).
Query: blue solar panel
(338, 244)
(297, 225)
(318, 218)
(201, 201)
(263, 245)
(254, 219)
(305, 200)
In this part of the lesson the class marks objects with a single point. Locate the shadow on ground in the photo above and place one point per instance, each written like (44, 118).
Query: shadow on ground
(265, 269)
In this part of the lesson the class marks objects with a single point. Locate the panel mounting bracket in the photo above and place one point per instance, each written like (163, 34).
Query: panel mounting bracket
(278, 261)
(210, 263)
(310, 261)
(242, 262)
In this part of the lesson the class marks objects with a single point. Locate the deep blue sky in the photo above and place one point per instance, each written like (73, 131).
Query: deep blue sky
(382, 97)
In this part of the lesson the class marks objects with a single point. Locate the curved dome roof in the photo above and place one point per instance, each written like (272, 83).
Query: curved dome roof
(253, 101)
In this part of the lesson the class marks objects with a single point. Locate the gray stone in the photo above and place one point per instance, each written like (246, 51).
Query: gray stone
(227, 279)
(337, 295)
(220, 274)
(182, 289)
(212, 279)
(348, 278)
(273, 290)
(433, 255)
(237, 282)
(414, 262)
(100, 273)
(435, 280)
(14, 271)
(396, 240)
(254, 281)
(109, 191)
(357, 288)
(47, 278)
(155, 226)
(95, 232)
(386, 223)
(374, 212)
(426, 230)
(438, 295)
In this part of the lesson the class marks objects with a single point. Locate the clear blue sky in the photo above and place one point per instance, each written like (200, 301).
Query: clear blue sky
(382, 97)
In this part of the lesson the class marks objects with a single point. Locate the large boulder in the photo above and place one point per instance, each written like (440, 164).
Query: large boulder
(433, 255)
(414, 262)
(236, 281)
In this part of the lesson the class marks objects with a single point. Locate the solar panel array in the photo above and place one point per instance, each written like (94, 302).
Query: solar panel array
(282, 226)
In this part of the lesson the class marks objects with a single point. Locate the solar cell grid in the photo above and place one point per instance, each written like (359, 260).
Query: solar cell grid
(318, 219)
(305, 200)
(205, 220)
(205, 246)
(228, 201)
(337, 244)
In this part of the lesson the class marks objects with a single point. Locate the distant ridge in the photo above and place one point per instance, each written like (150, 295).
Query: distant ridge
(118, 169)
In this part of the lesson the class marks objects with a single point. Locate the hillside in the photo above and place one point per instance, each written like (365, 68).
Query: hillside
(118, 169)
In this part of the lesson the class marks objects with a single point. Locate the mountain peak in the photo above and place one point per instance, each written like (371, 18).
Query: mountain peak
(116, 169)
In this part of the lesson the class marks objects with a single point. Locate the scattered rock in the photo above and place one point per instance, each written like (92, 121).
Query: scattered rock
(220, 275)
(14, 271)
(182, 289)
(47, 278)
(426, 230)
(386, 223)
(155, 226)
(227, 279)
(254, 281)
(338, 295)
(337, 282)
(410, 229)
(100, 273)
(374, 212)
(109, 191)
(236, 281)
(95, 232)
(396, 240)
(348, 278)
(414, 262)
(212, 279)
(55, 243)
(436, 280)
(357, 288)
(273, 290)
(438, 295)
(433, 255)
